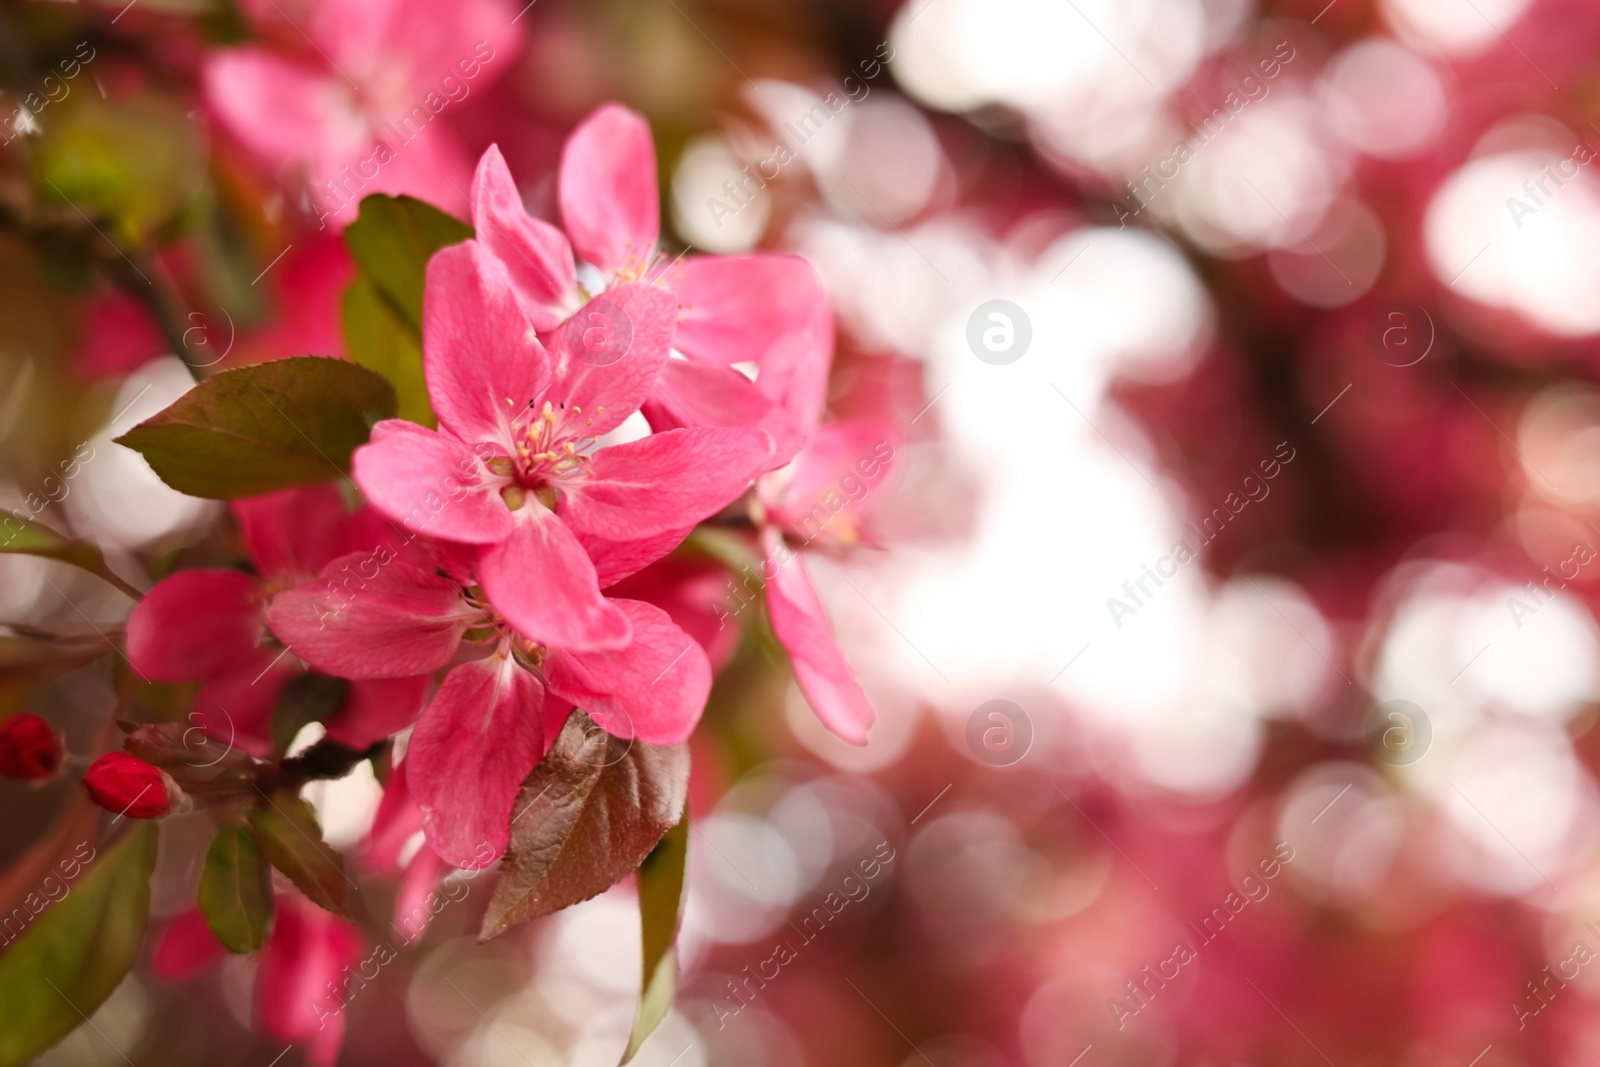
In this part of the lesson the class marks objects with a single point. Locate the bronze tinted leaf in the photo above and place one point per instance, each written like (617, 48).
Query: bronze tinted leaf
(587, 816)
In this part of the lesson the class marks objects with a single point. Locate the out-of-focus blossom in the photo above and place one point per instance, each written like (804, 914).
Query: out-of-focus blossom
(30, 748)
(348, 96)
(304, 977)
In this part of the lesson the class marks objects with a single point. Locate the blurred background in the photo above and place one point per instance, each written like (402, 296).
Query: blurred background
(1230, 618)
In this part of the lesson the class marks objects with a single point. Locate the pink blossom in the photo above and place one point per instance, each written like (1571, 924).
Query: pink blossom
(396, 826)
(348, 93)
(490, 722)
(810, 500)
(308, 953)
(208, 625)
(730, 309)
(514, 467)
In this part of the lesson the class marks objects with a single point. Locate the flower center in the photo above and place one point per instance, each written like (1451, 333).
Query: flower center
(491, 626)
(545, 454)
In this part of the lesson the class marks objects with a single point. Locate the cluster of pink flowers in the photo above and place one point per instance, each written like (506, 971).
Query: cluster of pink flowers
(489, 550)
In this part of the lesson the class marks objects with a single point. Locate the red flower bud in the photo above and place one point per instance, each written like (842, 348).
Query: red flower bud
(29, 748)
(129, 786)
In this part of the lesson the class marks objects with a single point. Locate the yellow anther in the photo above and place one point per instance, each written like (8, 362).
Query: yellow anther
(570, 447)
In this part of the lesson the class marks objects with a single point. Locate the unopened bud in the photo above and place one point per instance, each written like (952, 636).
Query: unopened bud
(129, 786)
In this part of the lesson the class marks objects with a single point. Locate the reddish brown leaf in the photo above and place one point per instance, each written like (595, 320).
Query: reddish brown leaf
(586, 818)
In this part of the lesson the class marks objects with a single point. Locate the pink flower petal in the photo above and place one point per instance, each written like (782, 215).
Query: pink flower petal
(373, 617)
(307, 288)
(801, 625)
(196, 624)
(667, 481)
(430, 164)
(606, 358)
(835, 482)
(397, 820)
(387, 428)
(308, 949)
(186, 947)
(608, 189)
(483, 363)
(377, 708)
(653, 690)
(691, 394)
(535, 253)
(697, 593)
(283, 111)
(294, 533)
(794, 372)
(615, 560)
(237, 708)
(119, 337)
(432, 483)
(415, 900)
(476, 742)
(542, 581)
(737, 308)
(440, 47)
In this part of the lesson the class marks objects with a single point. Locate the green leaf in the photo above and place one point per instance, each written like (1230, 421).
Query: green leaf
(378, 338)
(236, 890)
(262, 428)
(31, 539)
(65, 966)
(293, 843)
(392, 240)
(588, 815)
(660, 907)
